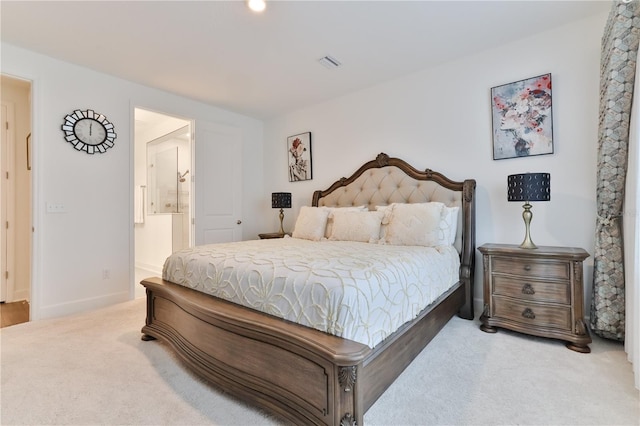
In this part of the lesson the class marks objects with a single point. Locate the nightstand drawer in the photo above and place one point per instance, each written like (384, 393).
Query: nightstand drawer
(532, 313)
(539, 291)
(530, 267)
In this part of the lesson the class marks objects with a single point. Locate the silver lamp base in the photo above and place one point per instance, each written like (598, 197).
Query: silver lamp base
(527, 216)
(281, 219)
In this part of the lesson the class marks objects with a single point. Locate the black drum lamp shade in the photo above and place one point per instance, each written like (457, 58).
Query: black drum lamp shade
(281, 200)
(528, 187)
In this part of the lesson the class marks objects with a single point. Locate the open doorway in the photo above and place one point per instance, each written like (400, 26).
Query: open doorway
(15, 201)
(162, 191)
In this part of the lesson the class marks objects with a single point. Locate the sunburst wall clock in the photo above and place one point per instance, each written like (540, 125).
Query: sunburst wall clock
(88, 131)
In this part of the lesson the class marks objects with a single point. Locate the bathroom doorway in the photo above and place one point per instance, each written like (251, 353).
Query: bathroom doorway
(162, 190)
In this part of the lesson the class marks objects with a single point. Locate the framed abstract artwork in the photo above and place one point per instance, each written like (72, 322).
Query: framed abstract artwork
(299, 154)
(522, 119)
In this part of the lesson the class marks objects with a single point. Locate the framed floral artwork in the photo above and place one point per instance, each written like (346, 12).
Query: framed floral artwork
(299, 153)
(522, 119)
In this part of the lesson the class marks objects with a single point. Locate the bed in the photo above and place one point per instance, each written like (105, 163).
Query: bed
(298, 373)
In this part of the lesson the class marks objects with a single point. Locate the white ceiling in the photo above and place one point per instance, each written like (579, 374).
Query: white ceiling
(265, 64)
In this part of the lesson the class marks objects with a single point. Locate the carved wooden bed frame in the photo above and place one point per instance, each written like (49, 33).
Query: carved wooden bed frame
(304, 375)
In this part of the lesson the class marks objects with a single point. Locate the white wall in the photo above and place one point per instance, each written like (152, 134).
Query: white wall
(72, 249)
(440, 118)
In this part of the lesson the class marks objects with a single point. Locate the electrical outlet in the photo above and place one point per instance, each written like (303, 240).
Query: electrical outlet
(106, 274)
(56, 208)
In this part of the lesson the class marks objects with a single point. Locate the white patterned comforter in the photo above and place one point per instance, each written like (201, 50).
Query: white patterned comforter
(358, 291)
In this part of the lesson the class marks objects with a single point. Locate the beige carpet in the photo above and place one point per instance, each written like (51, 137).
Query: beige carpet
(94, 369)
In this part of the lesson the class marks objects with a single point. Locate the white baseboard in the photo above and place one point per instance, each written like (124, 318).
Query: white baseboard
(156, 269)
(77, 306)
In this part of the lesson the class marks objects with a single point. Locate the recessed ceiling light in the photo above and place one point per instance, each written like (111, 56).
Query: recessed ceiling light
(257, 5)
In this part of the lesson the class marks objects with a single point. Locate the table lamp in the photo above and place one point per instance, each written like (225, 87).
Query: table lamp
(281, 200)
(529, 187)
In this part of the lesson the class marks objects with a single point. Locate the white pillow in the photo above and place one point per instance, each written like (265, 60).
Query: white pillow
(386, 217)
(386, 209)
(327, 232)
(311, 223)
(446, 232)
(363, 226)
(414, 224)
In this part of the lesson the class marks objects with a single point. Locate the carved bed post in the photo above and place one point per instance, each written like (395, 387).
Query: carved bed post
(468, 257)
(351, 413)
(146, 337)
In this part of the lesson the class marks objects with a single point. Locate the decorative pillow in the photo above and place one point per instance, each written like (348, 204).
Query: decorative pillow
(386, 209)
(446, 233)
(327, 232)
(311, 223)
(363, 226)
(414, 224)
(386, 217)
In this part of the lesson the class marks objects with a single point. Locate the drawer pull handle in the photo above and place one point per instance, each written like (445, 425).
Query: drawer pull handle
(528, 289)
(527, 267)
(528, 313)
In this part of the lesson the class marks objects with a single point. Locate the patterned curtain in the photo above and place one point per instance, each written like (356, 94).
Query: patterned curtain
(617, 75)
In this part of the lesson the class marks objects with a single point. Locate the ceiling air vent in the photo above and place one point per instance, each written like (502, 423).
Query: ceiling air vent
(329, 62)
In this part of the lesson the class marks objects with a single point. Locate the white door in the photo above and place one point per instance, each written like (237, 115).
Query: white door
(218, 183)
(7, 203)
(3, 206)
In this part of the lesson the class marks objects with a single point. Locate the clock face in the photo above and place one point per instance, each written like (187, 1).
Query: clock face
(88, 131)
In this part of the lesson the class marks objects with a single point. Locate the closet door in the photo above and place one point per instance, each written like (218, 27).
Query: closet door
(218, 183)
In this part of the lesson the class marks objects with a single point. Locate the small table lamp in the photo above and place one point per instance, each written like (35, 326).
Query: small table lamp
(281, 200)
(529, 187)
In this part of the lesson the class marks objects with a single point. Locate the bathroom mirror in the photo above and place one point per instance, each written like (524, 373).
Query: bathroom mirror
(168, 179)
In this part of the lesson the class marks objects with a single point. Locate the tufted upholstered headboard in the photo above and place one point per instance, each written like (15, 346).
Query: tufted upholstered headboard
(387, 180)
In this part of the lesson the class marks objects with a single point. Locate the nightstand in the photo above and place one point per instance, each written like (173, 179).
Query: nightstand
(271, 235)
(535, 291)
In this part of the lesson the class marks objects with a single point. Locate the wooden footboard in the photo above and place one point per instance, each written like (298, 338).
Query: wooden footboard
(299, 373)
(303, 375)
